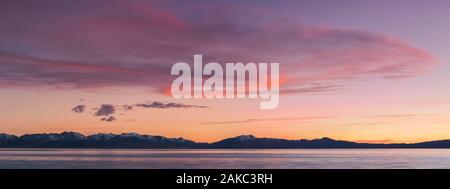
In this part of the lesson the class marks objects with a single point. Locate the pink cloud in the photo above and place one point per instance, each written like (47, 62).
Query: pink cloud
(135, 43)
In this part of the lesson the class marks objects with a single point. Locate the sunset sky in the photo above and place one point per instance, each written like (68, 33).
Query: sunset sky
(372, 70)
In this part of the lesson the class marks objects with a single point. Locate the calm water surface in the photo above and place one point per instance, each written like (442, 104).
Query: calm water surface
(226, 159)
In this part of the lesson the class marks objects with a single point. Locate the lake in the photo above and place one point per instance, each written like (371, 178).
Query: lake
(225, 159)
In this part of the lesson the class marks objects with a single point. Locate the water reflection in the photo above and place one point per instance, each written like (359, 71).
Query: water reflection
(222, 159)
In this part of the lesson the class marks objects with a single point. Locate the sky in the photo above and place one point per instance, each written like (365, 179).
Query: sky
(366, 71)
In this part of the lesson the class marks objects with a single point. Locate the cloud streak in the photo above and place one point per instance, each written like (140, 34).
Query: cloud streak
(256, 120)
(161, 105)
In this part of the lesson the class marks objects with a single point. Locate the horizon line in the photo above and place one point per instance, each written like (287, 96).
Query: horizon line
(236, 136)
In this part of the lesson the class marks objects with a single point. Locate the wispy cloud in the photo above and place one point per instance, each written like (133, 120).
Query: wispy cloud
(362, 123)
(408, 115)
(253, 120)
(162, 105)
(312, 89)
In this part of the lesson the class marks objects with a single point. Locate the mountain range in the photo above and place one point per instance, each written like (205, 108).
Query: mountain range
(134, 140)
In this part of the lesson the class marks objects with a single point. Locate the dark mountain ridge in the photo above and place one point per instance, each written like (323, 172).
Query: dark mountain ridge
(134, 140)
(101, 140)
